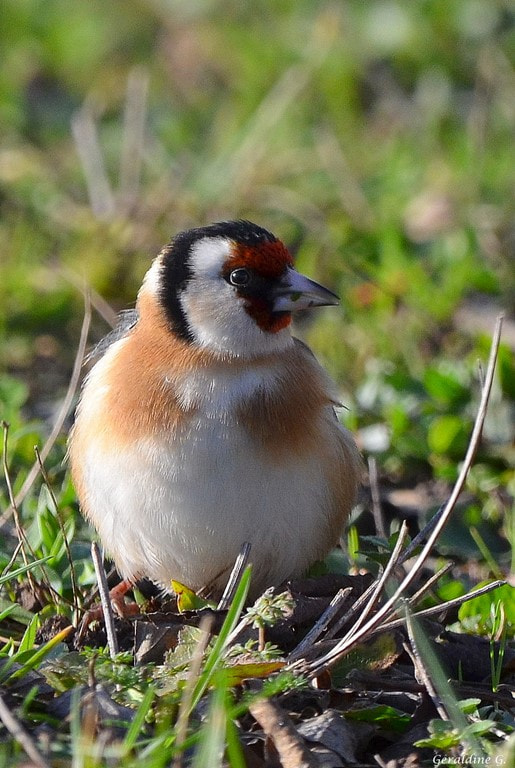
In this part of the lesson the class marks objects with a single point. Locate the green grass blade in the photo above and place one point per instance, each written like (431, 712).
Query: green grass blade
(23, 569)
(215, 656)
(235, 755)
(137, 724)
(29, 636)
(38, 656)
(210, 751)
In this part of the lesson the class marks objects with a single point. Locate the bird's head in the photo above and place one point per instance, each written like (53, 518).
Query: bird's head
(231, 288)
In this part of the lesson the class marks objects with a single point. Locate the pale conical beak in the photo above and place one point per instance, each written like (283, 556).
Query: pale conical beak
(296, 291)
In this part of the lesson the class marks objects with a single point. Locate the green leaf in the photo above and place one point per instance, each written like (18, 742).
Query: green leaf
(382, 715)
(378, 653)
(445, 387)
(445, 432)
(469, 706)
(8, 610)
(479, 728)
(32, 659)
(29, 636)
(258, 670)
(451, 590)
(477, 613)
(442, 736)
(188, 600)
(445, 740)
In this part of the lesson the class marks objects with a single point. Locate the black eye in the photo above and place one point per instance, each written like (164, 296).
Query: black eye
(239, 277)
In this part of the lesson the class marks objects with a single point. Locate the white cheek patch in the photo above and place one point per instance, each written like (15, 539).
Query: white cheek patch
(208, 256)
(218, 321)
(216, 315)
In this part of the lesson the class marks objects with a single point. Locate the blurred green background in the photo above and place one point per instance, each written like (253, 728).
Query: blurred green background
(375, 138)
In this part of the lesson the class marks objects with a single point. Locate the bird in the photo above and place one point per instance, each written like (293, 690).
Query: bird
(206, 424)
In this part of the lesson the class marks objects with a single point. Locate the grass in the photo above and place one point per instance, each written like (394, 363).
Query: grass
(376, 140)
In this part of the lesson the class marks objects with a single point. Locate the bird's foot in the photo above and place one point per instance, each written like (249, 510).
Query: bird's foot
(121, 608)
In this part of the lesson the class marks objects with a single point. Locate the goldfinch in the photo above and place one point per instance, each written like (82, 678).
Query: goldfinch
(206, 424)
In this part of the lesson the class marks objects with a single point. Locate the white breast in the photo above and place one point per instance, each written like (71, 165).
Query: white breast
(182, 506)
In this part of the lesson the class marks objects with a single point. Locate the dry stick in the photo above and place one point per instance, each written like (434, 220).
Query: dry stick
(442, 607)
(421, 592)
(353, 610)
(85, 134)
(235, 577)
(22, 538)
(133, 136)
(435, 609)
(423, 534)
(19, 733)
(327, 616)
(392, 562)
(73, 577)
(336, 164)
(181, 727)
(370, 594)
(376, 501)
(379, 760)
(343, 647)
(19, 529)
(13, 558)
(372, 680)
(63, 411)
(414, 599)
(107, 608)
(420, 671)
(93, 592)
(276, 724)
(99, 304)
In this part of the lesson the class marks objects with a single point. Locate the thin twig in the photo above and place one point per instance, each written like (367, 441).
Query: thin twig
(442, 607)
(23, 542)
(423, 534)
(63, 411)
(85, 134)
(99, 304)
(414, 599)
(19, 733)
(73, 576)
(107, 608)
(315, 632)
(353, 610)
(420, 670)
(235, 577)
(19, 529)
(13, 558)
(342, 647)
(391, 564)
(133, 136)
